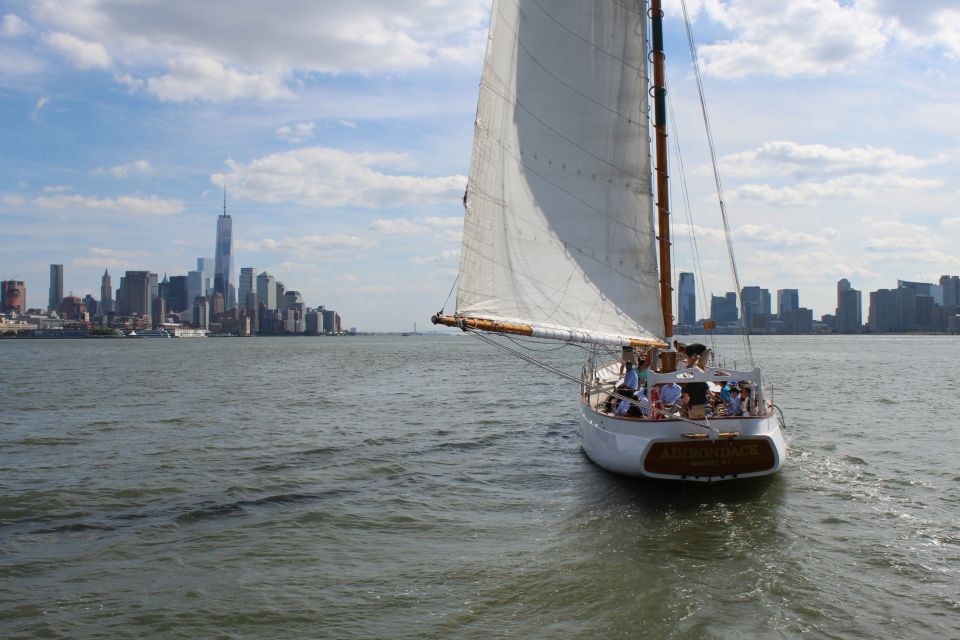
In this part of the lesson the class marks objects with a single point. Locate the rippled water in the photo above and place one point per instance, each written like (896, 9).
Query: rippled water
(434, 488)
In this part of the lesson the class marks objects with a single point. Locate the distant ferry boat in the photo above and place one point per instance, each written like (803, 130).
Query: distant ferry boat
(149, 333)
(187, 332)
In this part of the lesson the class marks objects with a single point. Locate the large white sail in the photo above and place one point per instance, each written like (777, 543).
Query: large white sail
(558, 231)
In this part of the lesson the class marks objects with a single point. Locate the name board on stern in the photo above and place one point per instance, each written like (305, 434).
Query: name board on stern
(709, 458)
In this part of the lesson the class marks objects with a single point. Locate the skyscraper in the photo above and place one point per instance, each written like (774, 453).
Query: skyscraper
(134, 298)
(14, 296)
(267, 291)
(755, 301)
(194, 286)
(687, 299)
(248, 284)
(177, 297)
(951, 290)
(205, 267)
(223, 269)
(106, 293)
(788, 301)
(849, 308)
(56, 286)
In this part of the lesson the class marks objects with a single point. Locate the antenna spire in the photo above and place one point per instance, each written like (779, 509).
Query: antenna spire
(224, 199)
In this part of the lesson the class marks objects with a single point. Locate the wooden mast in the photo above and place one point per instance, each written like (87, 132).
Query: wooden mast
(669, 358)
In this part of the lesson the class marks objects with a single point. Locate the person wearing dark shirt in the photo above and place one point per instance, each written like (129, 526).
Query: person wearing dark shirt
(697, 355)
(695, 399)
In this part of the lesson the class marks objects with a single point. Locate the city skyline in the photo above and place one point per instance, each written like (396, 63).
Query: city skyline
(344, 156)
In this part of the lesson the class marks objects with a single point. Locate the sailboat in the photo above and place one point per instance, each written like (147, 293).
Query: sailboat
(559, 238)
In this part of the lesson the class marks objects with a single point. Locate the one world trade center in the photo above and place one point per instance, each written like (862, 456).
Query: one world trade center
(223, 262)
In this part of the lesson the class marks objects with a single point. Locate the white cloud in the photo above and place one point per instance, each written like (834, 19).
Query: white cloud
(127, 80)
(13, 26)
(931, 23)
(952, 223)
(80, 53)
(857, 186)
(134, 205)
(447, 255)
(769, 234)
(205, 78)
(793, 37)
(40, 104)
(310, 244)
(102, 258)
(297, 133)
(55, 188)
(443, 229)
(122, 170)
(12, 199)
(325, 177)
(786, 158)
(348, 124)
(212, 54)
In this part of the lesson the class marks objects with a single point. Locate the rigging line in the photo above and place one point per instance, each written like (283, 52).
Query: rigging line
(563, 345)
(716, 177)
(449, 294)
(694, 246)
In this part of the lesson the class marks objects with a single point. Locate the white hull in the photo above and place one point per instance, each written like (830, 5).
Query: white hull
(672, 450)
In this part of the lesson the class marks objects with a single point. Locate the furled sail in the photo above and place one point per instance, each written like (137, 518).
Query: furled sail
(558, 231)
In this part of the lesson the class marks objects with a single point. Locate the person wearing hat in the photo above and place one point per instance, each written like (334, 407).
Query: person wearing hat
(727, 390)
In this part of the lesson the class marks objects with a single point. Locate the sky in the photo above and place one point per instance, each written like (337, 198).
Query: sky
(342, 133)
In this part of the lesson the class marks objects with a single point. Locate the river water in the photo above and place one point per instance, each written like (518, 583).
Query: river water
(434, 487)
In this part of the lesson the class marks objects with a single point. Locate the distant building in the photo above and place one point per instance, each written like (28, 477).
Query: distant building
(281, 293)
(201, 313)
(195, 287)
(177, 297)
(313, 322)
(788, 301)
(134, 296)
(158, 312)
(106, 294)
(72, 308)
(849, 316)
(291, 299)
(13, 297)
(217, 304)
(248, 285)
(951, 290)
(331, 321)
(755, 301)
(266, 291)
(223, 268)
(56, 287)
(206, 267)
(686, 299)
(723, 310)
(91, 305)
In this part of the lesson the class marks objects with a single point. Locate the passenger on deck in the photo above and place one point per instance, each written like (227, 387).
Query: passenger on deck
(642, 370)
(628, 354)
(734, 406)
(639, 408)
(747, 402)
(681, 355)
(695, 399)
(630, 379)
(728, 390)
(697, 355)
(670, 393)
